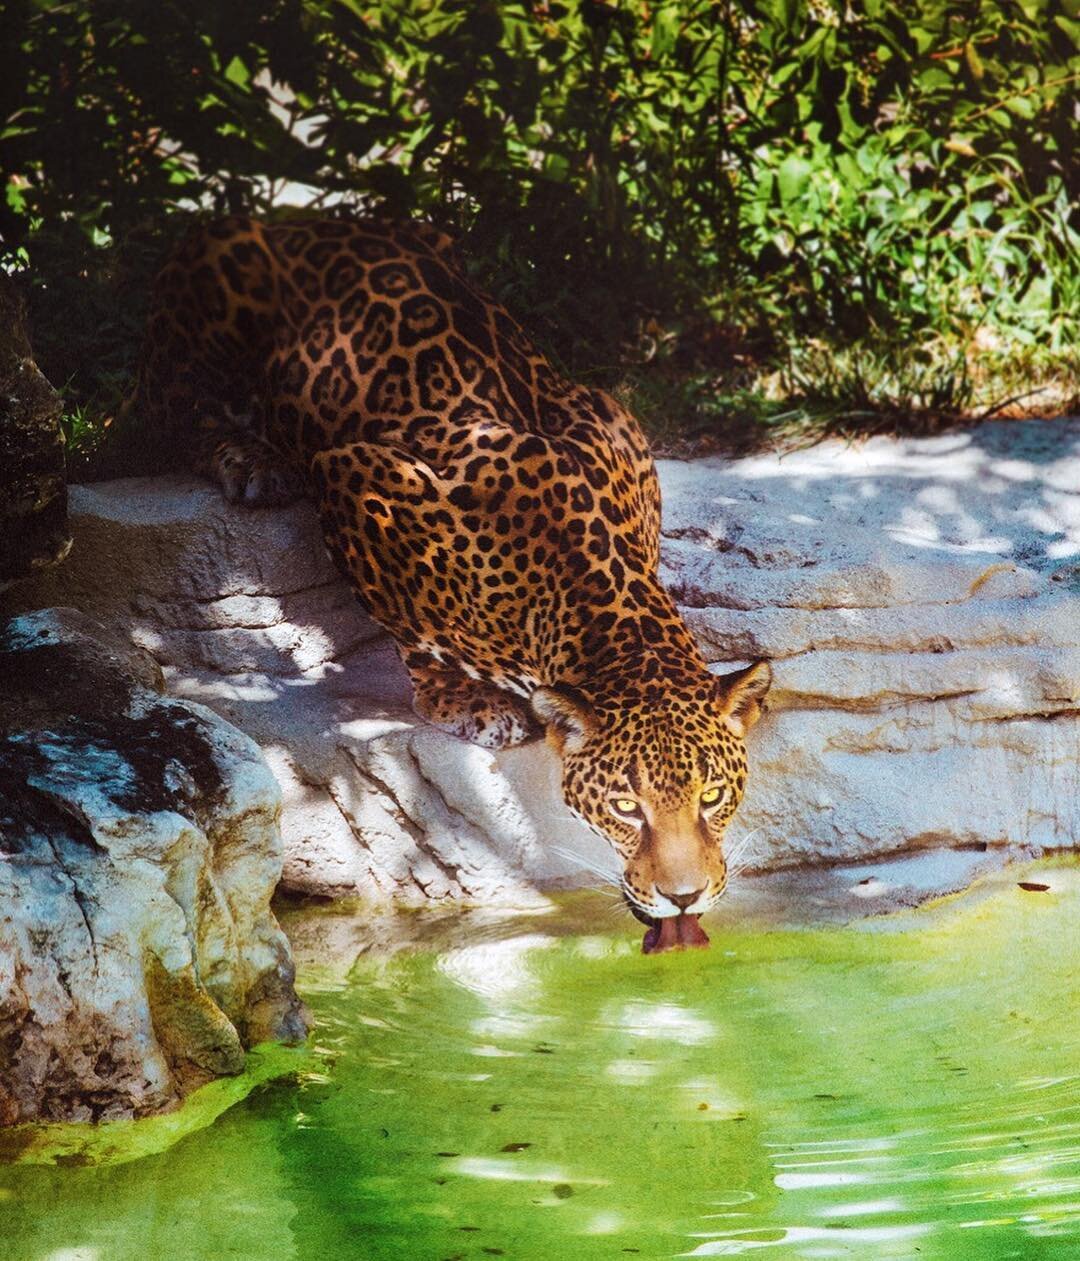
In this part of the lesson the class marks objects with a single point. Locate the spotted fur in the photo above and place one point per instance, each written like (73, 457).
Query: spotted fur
(502, 523)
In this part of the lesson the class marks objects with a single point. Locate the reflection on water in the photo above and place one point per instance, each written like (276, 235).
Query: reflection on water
(531, 1094)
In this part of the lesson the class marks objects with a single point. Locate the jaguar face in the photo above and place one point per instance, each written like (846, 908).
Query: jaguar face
(660, 782)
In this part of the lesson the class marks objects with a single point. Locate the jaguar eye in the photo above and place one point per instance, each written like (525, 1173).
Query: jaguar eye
(711, 796)
(626, 806)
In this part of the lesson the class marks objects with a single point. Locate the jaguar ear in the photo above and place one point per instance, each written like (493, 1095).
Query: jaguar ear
(742, 695)
(566, 715)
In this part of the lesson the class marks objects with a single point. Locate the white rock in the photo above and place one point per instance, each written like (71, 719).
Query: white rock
(918, 598)
(139, 849)
(200, 584)
(919, 602)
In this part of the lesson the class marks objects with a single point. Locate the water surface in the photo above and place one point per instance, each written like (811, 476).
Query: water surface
(539, 1089)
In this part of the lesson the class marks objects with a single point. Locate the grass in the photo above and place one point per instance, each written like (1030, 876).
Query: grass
(815, 391)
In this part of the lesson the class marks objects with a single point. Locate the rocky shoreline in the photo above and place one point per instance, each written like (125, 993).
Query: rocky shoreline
(139, 851)
(919, 601)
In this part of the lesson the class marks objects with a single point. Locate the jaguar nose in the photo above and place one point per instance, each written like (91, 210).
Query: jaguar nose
(682, 900)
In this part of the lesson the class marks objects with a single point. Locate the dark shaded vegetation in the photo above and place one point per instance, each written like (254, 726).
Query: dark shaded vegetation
(760, 217)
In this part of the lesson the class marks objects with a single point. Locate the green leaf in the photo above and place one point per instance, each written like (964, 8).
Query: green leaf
(792, 177)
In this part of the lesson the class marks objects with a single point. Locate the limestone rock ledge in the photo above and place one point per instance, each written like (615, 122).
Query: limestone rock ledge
(919, 600)
(139, 849)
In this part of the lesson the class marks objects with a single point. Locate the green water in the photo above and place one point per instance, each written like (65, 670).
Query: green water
(532, 1091)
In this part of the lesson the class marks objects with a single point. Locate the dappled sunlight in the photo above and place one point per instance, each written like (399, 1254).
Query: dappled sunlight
(254, 691)
(1005, 689)
(864, 1208)
(1014, 470)
(497, 970)
(632, 1072)
(605, 1224)
(662, 1022)
(836, 1178)
(708, 1099)
(363, 729)
(512, 1025)
(998, 489)
(247, 687)
(518, 1170)
(878, 1240)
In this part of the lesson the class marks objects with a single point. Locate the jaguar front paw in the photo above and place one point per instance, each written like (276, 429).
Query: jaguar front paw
(256, 477)
(478, 712)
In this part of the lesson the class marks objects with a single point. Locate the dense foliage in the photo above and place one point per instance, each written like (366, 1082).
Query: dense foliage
(770, 179)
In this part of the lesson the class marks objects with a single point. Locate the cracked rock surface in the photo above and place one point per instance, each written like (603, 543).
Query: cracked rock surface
(919, 600)
(139, 849)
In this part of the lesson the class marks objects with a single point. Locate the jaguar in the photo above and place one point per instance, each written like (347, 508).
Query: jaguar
(501, 522)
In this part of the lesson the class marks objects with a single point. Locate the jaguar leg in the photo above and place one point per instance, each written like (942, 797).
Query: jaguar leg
(472, 710)
(249, 470)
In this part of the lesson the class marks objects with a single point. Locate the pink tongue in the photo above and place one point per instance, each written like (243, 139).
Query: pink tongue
(677, 932)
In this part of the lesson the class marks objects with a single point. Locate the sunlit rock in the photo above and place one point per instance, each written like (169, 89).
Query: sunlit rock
(920, 602)
(139, 849)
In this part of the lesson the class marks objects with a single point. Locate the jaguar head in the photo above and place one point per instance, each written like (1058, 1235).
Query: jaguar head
(660, 776)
